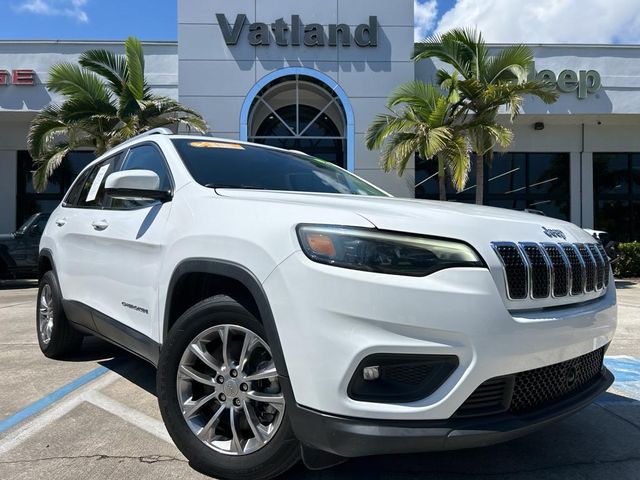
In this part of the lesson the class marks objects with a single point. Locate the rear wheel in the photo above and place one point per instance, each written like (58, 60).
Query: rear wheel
(56, 336)
(220, 396)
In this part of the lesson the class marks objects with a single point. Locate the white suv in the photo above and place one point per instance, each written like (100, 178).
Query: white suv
(294, 310)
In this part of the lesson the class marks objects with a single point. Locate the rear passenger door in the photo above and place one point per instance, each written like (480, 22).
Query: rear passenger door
(131, 238)
(77, 254)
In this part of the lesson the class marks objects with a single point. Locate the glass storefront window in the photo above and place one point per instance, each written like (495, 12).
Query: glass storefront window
(29, 201)
(517, 181)
(616, 194)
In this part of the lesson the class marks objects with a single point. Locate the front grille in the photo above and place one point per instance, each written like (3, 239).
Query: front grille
(528, 391)
(546, 270)
(540, 387)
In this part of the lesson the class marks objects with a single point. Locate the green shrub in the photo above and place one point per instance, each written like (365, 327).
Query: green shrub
(628, 263)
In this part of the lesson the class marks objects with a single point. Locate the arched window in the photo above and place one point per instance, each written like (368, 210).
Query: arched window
(300, 113)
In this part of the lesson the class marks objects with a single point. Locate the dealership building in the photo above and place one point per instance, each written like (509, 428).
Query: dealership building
(311, 76)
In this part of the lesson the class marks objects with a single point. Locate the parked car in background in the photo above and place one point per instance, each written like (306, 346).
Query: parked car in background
(19, 250)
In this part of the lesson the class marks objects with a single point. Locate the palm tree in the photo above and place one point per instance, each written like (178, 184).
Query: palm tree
(107, 101)
(419, 122)
(481, 84)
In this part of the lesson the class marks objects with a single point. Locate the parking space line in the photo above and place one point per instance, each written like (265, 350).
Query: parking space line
(626, 369)
(34, 426)
(130, 415)
(39, 405)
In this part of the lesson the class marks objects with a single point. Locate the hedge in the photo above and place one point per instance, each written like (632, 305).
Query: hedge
(628, 262)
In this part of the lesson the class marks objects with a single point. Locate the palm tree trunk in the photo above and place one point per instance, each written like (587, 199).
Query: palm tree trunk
(442, 184)
(479, 179)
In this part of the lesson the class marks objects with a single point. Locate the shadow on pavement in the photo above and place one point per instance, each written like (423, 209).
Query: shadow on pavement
(17, 284)
(624, 284)
(597, 441)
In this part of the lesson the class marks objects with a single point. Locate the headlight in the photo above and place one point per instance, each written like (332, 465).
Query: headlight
(383, 252)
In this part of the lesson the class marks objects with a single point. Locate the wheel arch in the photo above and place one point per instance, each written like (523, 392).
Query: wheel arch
(238, 275)
(46, 263)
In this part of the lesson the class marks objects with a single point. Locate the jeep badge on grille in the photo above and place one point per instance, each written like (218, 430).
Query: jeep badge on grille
(554, 233)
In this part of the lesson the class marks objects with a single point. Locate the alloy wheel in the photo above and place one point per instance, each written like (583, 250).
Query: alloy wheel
(45, 314)
(228, 389)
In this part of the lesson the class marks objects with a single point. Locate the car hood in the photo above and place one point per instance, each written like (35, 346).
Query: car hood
(477, 225)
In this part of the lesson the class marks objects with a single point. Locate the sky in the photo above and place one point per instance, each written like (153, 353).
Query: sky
(501, 21)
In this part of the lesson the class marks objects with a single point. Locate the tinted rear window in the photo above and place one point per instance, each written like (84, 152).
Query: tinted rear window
(229, 165)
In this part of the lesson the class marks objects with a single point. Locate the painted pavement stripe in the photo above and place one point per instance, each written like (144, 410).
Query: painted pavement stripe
(39, 405)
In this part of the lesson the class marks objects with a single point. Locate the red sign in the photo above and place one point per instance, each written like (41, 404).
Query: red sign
(18, 77)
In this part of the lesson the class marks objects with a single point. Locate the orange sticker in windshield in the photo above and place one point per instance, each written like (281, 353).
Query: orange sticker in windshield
(228, 146)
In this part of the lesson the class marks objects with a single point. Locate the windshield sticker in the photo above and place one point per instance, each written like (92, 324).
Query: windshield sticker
(93, 192)
(226, 146)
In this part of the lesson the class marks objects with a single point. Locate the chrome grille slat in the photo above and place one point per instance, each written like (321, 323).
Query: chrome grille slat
(607, 264)
(591, 267)
(599, 266)
(552, 270)
(561, 269)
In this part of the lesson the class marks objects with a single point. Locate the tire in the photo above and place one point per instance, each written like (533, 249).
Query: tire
(208, 321)
(58, 338)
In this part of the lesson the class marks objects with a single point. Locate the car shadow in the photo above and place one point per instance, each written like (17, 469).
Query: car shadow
(18, 284)
(623, 284)
(584, 444)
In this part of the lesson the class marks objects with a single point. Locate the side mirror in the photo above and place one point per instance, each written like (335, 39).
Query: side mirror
(136, 184)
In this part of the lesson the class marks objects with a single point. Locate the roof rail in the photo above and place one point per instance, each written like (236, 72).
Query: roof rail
(154, 131)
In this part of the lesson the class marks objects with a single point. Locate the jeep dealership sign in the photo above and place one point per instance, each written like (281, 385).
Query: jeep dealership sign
(296, 33)
(567, 81)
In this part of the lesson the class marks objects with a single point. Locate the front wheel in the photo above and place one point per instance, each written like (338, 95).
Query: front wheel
(56, 336)
(220, 397)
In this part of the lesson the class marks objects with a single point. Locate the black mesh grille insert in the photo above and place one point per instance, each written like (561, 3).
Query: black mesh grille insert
(577, 269)
(515, 270)
(599, 265)
(540, 387)
(528, 391)
(540, 274)
(489, 398)
(560, 270)
(590, 266)
(607, 265)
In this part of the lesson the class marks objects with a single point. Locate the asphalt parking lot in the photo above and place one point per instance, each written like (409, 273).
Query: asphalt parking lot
(95, 416)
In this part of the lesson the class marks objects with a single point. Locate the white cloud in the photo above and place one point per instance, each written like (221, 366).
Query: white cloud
(68, 8)
(425, 13)
(548, 21)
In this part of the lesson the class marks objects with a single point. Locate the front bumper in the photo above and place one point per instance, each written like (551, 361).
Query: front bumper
(350, 437)
(329, 319)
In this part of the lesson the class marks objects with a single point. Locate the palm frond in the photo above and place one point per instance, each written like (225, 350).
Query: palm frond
(512, 63)
(73, 81)
(108, 65)
(135, 64)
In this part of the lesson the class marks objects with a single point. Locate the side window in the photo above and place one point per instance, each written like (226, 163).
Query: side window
(144, 157)
(148, 157)
(71, 200)
(92, 193)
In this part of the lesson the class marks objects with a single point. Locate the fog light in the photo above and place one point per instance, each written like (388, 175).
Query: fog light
(399, 378)
(371, 373)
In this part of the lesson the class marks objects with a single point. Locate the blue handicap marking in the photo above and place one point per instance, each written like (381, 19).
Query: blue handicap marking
(627, 372)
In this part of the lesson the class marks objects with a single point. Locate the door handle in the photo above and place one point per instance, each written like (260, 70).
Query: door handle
(100, 225)
(61, 222)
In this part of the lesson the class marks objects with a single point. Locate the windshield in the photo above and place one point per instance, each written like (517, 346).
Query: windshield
(230, 165)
